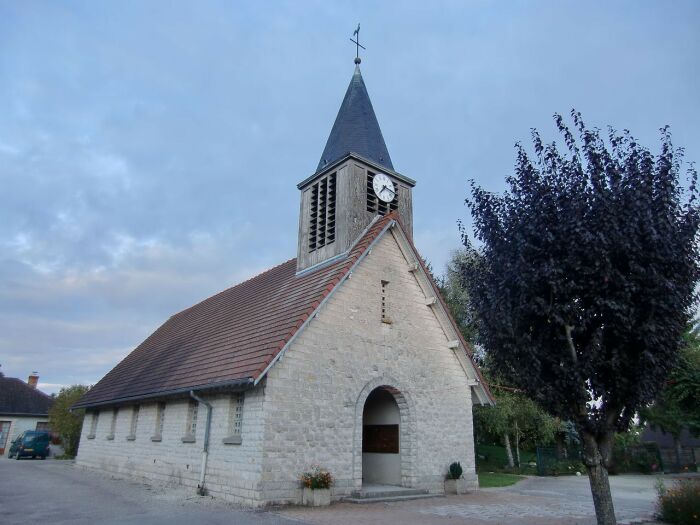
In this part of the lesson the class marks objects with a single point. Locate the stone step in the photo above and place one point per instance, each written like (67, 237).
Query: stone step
(394, 494)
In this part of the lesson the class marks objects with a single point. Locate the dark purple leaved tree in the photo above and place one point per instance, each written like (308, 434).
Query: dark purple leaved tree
(583, 280)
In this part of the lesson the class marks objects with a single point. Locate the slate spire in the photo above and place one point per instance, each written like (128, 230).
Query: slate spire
(356, 129)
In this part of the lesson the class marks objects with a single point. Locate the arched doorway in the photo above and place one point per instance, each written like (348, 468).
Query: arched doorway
(381, 447)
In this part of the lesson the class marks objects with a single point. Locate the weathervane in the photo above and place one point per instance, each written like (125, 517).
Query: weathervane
(356, 34)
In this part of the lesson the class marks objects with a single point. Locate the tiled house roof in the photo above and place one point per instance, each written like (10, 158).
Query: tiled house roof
(231, 339)
(19, 399)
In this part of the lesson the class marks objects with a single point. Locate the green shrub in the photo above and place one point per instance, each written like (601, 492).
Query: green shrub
(455, 471)
(643, 458)
(679, 504)
(565, 467)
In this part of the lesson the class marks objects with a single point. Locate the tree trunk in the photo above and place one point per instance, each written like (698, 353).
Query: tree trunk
(677, 446)
(517, 445)
(561, 447)
(595, 460)
(509, 451)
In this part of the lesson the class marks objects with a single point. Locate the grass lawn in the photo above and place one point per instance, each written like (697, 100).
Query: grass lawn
(496, 479)
(493, 458)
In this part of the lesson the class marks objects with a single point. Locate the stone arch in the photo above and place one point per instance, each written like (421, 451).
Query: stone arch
(407, 428)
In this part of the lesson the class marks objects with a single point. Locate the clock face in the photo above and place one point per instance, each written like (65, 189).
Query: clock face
(383, 187)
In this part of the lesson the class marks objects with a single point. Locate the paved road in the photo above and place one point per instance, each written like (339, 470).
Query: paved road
(57, 492)
(534, 501)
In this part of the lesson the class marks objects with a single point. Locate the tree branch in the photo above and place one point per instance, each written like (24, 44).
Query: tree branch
(570, 340)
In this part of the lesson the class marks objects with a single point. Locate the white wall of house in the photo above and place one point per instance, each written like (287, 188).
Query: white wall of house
(19, 424)
(233, 470)
(315, 394)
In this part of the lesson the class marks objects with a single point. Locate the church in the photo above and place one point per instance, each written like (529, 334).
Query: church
(344, 357)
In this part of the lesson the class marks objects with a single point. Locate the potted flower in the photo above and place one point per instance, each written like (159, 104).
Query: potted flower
(454, 482)
(316, 485)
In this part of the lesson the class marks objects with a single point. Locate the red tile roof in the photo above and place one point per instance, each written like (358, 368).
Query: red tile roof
(230, 338)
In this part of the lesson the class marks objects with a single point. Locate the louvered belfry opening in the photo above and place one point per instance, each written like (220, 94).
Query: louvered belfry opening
(375, 204)
(322, 213)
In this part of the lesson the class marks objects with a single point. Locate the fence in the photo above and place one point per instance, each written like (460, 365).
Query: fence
(553, 461)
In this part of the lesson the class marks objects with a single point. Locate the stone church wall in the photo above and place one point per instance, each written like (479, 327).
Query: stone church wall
(309, 408)
(315, 394)
(233, 471)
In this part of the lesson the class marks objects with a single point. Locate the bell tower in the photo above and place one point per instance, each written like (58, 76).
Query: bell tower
(354, 182)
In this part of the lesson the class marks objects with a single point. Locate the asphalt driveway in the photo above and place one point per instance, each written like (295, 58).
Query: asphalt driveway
(57, 492)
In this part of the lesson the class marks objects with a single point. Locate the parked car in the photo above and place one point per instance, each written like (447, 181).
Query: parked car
(30, 443)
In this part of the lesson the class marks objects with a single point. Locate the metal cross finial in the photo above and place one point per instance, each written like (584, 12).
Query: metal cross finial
(356, 34)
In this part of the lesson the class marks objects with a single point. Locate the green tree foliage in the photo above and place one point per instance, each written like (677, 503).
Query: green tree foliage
(584, 280)
(683, 385)
(455, 294)
(677, 407)
(66, 423)
(514, 421)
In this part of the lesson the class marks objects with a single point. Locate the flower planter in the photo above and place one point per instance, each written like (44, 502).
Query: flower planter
(456, 486)
(316, 497)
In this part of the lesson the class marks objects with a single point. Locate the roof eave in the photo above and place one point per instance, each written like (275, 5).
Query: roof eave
(332, 165)
(481, 387)
(24, 414)
(482, 391)
(235, 385)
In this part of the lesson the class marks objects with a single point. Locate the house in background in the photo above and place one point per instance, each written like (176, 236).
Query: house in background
(22, 407)
(676, 455)
(346, 356)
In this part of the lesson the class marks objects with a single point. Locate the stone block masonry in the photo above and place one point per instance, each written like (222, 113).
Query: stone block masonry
(233, 471)
(315, 396)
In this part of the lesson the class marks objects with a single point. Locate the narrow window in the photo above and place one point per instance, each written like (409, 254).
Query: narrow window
(385, 312)
(322, 213)
(113, 424)
(160, 421)
(191, 427)
(235, 420)
(93, 424)
(134, 422)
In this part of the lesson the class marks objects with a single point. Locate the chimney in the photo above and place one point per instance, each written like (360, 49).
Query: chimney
(33, 379)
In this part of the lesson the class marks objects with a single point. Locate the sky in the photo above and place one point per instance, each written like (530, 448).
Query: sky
(150, 151)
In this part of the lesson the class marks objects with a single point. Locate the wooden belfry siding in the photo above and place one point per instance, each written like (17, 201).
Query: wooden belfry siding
(322, 212)
(352, 211)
